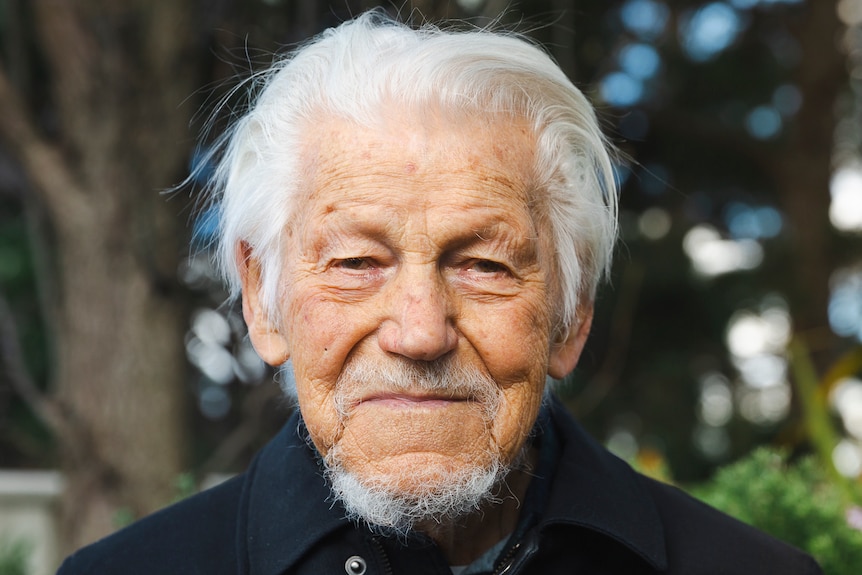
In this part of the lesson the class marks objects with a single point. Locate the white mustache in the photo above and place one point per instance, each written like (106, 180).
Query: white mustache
(445, 377)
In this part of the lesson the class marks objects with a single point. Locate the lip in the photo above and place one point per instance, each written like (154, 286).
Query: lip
(407, 401)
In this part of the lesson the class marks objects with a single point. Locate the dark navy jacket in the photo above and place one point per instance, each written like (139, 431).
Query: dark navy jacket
(278, 518)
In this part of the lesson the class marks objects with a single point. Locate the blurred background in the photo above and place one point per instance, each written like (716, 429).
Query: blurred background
(734, 315)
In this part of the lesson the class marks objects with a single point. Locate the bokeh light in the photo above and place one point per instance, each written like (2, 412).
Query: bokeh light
(845, 303)
(210, 327)
(711, 255)
(715, 406)
(846, 400)
(248, 366)
(471, 5)
(845, 210)
(751, 334)
(712, 442)
(847, 457)
(621, 90)
(214, 402)
(766, 406)
(640, 61)
(763, 123)
(645, 18)
(622, 443)
(709, 30)
(850, 12)
(757, 341)
(654, 223)
(745, 221)
(787, 99)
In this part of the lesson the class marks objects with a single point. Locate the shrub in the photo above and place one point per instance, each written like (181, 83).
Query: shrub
(14, 557)
(797, 503)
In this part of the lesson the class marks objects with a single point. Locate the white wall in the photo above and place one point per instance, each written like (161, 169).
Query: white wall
(28, 513)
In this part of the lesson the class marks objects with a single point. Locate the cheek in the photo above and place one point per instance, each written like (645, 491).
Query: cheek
(515, 352)
(322, 333)
(516, 418)
(314, 333)
(317, 329)
(513, 342)
(320, 419)
(313, 330)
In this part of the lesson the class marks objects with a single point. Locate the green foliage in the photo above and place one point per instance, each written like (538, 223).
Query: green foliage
(14, 557)
(185, 485)
(123, 517)
(798, 503)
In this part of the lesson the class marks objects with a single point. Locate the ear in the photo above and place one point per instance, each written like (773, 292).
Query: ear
(564, 356)
(266, 338)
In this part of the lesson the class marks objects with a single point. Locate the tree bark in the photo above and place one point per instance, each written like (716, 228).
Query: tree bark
(803, 166)
(119, 74)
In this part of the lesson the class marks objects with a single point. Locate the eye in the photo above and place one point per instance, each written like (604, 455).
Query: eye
(488, 267)
(356, 264)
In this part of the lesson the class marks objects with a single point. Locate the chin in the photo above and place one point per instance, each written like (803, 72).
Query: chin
(409, 493)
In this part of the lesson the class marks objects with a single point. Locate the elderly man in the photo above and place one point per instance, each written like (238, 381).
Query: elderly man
(417, 222)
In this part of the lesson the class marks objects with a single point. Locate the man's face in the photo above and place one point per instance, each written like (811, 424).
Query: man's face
(415, 247)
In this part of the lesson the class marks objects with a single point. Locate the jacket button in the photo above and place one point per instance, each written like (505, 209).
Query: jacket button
(355, 565)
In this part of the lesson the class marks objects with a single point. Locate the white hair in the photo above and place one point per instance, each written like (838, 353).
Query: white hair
(365, 66)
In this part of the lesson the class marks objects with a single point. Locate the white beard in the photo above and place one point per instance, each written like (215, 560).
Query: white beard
(441, 501)
(439, 498)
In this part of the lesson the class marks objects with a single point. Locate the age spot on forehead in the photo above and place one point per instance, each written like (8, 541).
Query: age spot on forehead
(501, 153)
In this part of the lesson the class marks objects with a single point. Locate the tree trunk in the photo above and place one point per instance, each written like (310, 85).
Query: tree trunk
(802, 168)
(119, 74)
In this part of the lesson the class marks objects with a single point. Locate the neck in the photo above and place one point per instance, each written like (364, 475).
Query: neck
(465, 540)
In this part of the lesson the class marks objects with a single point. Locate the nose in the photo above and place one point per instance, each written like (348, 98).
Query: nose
(418, 322)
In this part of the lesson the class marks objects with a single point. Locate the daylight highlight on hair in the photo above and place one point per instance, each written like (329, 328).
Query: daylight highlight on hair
(364, 67)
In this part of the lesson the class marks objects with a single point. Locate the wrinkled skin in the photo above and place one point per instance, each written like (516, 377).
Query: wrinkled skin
(416, 240)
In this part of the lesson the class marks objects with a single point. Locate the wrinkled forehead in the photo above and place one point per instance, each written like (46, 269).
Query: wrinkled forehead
(428, 143)
(402, 159)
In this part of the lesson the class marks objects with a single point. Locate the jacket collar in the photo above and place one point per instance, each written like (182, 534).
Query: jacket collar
(592, 488)
(287, 506)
